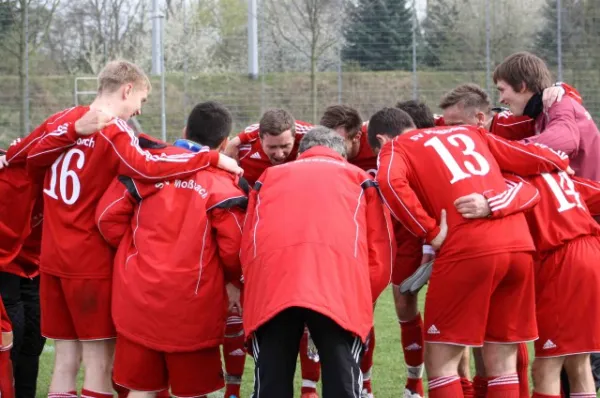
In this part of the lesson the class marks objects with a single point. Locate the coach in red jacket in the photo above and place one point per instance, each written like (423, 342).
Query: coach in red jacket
(324, 265)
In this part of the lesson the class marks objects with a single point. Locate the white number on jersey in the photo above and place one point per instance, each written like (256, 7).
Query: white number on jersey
(64, 175)
(563, 190)
(481, 168)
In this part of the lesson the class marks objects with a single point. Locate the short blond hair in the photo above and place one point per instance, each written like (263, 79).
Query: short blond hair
(120, 72)
(467, 96)
(524, 69)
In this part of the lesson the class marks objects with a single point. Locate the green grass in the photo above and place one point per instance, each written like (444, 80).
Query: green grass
(389, 372)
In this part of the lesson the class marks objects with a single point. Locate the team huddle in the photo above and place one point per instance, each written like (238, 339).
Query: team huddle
(153, 257)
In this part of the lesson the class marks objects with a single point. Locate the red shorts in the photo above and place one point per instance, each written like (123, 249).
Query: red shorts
(567, 284)
(5, 325)
(76, 309)
(189, 374)
(483, 299)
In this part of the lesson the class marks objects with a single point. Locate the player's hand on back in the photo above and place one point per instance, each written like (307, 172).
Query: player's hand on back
(3, 162)
(437, 242)
(474, 205)
(94, 120)
(233, 148)
(551, 95)
(228, 164)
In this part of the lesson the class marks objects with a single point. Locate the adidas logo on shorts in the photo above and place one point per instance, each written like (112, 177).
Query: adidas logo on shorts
(255, 155)
(548, 345)
(237, 353)
(413, 346)
(433, 330)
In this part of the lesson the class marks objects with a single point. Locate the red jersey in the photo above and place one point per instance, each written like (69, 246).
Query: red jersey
(562, 214)
(424, 171)
(254, 160)
(366, 158)
(81, 169)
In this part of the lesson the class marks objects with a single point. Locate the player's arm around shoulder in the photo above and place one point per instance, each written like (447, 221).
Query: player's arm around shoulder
(116, 208)
(380, 238)
(525, 159)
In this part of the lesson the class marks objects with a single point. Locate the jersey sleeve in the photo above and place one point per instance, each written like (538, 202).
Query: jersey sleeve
(399, 197)
(115, 209)
(380, 240)
(19, 148)
(519, 196)
(524, 159)
(590, 193)
(561, 133)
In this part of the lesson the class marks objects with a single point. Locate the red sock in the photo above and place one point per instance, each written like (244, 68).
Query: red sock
(234, 355)
(93, 394)
(70, 394)
(163, 394)
(412, 345)
(445, 387)
(467, 387)
(506, 386)
(480, 386)
(538, 395)
(523, 370)
(6, 375)
(311, 370)
(366, 364)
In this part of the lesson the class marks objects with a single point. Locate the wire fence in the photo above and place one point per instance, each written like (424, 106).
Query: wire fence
(303, 55)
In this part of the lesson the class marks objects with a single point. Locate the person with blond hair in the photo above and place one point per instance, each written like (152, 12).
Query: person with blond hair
(77, 153)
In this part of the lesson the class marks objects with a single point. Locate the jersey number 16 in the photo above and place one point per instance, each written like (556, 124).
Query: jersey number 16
(65, 174)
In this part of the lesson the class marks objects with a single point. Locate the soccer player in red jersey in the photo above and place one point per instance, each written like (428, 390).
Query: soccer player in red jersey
(422, 172)
(150, 279)
(567, 242)
(6, 342)
(274, 140)
(80, 150)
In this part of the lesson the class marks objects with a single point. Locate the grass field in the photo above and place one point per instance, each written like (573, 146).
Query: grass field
(389, 373)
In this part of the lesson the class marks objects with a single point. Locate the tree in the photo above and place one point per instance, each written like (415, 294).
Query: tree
(23, 33)
(88, 33)
(309, 28)
(379, 35)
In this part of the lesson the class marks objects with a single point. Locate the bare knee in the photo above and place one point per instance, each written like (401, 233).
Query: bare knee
(546, 375)
(98, 355)
(406, 305)
(500, 359)
(442, 359)
(67, 357)
(579, 370)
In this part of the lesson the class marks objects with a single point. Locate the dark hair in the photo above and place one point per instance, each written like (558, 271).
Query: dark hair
(275, 122)
(388, 121)
(524, 69)
(342, 116)
(209, 124)
(419, 112)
